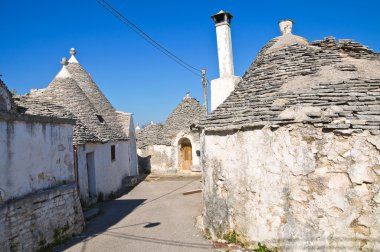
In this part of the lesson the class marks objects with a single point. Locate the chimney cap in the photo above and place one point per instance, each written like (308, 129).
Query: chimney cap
(286, 19)
(286, 26)
(222, 17)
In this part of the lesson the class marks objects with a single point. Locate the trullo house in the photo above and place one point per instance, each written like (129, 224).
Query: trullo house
(291, 157)
(104, 139)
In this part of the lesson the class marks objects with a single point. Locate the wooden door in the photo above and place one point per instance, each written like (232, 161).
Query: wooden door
(187, 157)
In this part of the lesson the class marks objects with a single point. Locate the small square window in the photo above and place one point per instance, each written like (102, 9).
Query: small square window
(100, 118)
(113, 153)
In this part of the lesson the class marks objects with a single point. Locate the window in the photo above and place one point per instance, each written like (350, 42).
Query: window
(113, 153)
(100, 118)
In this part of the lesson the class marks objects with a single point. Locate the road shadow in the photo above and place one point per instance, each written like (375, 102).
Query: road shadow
(114, 211)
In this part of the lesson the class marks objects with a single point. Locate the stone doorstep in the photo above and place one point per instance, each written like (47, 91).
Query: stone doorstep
(155, 176)
(169, 177)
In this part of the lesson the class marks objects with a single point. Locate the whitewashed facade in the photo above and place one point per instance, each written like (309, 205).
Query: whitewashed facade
(38, 193)
(291, 158)
(104, 139)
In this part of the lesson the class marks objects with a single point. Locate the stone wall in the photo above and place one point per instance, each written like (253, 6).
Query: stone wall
(158, 158)
(36, 153)
(43, 218)
(296, 188)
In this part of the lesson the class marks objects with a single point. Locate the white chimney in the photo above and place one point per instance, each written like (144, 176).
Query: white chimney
(222, 87)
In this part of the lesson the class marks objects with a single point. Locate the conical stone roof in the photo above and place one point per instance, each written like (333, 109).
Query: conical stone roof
(151, 134)
(39, 105)
(333, 84)
(188, 112)
(73, 94)
(96, 97)
(5, 98)
(65, 91)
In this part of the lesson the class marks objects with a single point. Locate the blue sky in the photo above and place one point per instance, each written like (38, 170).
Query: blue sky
(136, 77)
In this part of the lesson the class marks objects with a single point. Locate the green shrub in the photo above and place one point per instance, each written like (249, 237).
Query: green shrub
(112, 195)
(100, 197)
(262, 248)
(231, 237)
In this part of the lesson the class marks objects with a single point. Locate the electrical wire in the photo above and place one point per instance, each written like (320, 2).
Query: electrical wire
(107, 6)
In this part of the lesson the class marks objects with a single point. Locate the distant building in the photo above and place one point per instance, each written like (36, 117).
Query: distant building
(38, 194)
(104, 139)
(291, 157)
(172, 147)
(5, 98)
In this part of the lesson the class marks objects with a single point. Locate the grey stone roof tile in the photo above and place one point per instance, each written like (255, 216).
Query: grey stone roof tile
(41, 106)
(98, 100)
(125, 121)
(292, 80)
(74, 94)
(189, 111)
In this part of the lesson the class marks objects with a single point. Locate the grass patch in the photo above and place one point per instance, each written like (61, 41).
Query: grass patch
(231, 237)
(112, 196)
(263, 248)
(100, 197)
(207, 235)
(59, 237)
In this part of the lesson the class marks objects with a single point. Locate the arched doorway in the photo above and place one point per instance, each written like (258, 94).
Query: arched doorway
(185, 154)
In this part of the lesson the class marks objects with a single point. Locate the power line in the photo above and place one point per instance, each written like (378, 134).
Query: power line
(147, 38)
(150, 38)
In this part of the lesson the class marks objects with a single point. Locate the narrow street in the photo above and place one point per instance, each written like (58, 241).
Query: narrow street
(154, 216)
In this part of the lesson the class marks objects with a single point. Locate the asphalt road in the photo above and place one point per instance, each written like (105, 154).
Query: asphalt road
(154, 216)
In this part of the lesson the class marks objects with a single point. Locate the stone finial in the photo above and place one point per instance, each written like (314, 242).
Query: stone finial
(64, 61)
(72, 51)
(63, 73)
(286, 26)
(187, 95)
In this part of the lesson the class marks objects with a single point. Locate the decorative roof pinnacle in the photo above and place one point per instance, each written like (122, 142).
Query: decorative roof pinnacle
(63, 73)
(187, 95)
(64, 61)
(72, 58)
